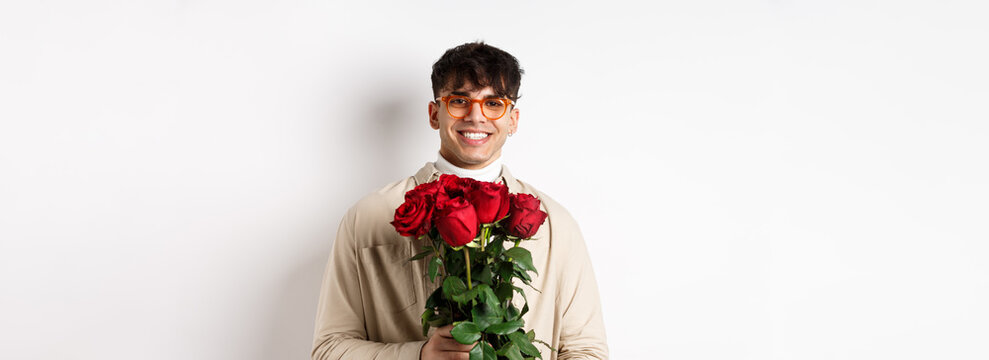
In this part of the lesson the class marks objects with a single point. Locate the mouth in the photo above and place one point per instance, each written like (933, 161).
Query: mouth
(473, 137)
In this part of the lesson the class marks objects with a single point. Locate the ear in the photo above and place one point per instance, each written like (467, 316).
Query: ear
(434, 111)
(513, 120)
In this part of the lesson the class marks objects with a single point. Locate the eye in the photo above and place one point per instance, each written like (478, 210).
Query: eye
(458, 101)
(493, 103)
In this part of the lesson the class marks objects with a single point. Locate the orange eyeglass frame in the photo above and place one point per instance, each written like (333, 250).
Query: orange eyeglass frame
(446, 100)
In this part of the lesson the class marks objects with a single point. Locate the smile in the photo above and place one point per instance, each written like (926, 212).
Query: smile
(474, 135)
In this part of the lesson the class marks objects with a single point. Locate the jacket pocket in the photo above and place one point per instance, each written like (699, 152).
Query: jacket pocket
(386, 277)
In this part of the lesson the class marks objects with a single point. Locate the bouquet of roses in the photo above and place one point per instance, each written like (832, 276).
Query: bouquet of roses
(472, 230)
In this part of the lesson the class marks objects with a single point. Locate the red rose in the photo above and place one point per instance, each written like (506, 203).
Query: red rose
(412, 218)
(456, 186)
(490, 200)
(428, 190)
(525, 216)
(456, 221)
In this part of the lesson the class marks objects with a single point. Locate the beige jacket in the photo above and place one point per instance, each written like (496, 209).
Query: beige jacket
(372, 296)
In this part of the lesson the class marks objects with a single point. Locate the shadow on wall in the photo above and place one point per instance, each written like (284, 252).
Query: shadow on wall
(387, 121)
(368, 148)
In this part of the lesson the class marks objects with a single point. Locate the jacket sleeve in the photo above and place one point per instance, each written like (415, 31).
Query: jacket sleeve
(582, 334)
(340, 331)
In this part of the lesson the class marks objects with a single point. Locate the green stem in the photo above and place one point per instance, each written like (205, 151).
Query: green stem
(485, 234)
(440, 254)
(467, 260)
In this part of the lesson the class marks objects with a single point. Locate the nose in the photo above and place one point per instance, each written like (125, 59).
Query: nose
(475, 113)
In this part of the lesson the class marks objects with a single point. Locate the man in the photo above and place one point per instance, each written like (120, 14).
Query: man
(372, 296)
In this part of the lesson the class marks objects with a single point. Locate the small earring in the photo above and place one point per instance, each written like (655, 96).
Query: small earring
(510, 133)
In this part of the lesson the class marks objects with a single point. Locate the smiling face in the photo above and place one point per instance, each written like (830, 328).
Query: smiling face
(474, 141)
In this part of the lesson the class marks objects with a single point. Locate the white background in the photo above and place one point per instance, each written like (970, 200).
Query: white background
(755, 179)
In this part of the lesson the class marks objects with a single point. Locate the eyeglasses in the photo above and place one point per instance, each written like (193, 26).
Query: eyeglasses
(460, 106)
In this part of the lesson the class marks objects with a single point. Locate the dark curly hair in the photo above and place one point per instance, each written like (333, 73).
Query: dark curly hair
(479, 65)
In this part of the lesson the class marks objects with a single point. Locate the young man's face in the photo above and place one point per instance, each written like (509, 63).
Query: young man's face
(474, 141)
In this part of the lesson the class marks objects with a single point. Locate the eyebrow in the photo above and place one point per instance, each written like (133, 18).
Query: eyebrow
(492, 96)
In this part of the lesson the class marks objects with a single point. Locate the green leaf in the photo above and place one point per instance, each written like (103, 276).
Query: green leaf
(495, 247)
(504, 328)
(489, 298)
(512, 313)
(454, 263)
(544, 344)
(466, 332)
(484, 316)
(506, 270)
(428, 313)
(525, 278)
(434, 268)
(522, 257)
(504, 291)
(524, 344)
(484, 276)
(453, 286)
(435, 298)
(511, 351)
(426, 250)
(482, 351)
(521, 292)
(466, 296)
(522, 274)
(484, 290)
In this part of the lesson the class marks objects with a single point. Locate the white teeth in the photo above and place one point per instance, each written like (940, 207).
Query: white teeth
(475, 136)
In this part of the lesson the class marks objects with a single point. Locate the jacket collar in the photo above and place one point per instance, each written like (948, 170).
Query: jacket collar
(428, 173)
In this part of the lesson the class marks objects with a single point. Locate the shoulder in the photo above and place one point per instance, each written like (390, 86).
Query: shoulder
(559, 238)
(369, 219)
(388, 196)
(558, 219)
(392, 195)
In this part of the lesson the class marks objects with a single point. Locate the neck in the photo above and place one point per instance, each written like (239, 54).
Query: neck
(488, 173)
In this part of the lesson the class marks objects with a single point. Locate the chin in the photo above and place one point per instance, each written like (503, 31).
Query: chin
(480, 159)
